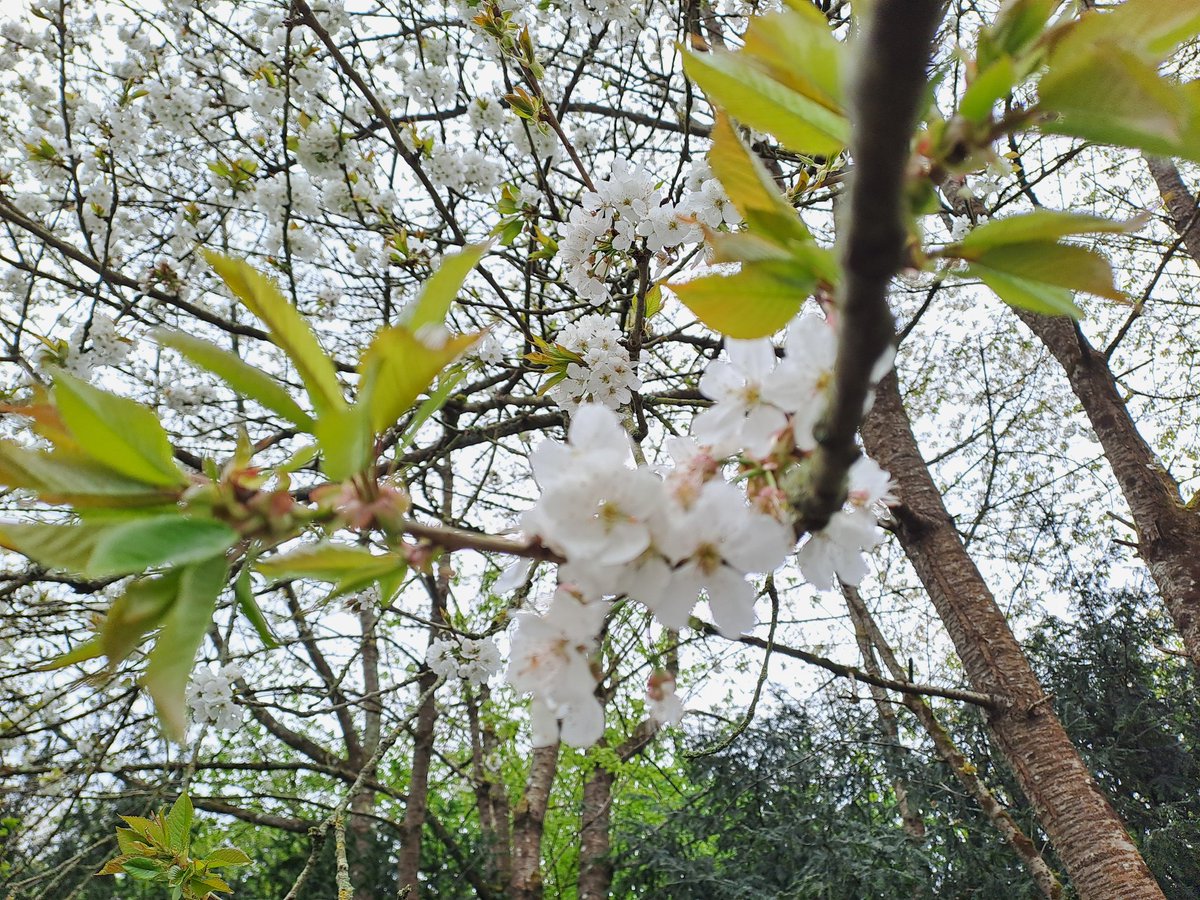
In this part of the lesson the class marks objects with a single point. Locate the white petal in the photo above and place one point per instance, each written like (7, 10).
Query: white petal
(731, 600)
(756, 358)
(543, 723)
(583, 724)
(514, 576)
(760, 545)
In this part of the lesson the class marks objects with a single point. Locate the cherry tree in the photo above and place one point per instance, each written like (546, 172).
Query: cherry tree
(425, 381)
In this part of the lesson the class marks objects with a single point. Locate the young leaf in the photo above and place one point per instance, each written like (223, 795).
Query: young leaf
(402, 367)
(179, 825)
(142, 544)
(802, 124)
(440, 289)
(1022, 293)
(119, 433)
(66, 548)
(137, 612)
(245, 380)
(143, 869)
(287, 327)
(80, 653)
(436, 400)
(250, 608)
(1042, 225)
(183, 629)
(68, 478)
(226, 856)
(347, 567)
(1111, 96)
(755, 302)
(346, 439)
(752, 190)
(987, 88)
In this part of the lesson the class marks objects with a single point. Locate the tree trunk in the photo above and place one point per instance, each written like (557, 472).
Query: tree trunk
(1168, 533)
(1090, 838)
(1043, 876)
(595, 864)
(360, 828)
(528, 820)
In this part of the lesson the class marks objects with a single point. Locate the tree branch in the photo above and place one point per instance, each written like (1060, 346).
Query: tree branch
(885, 95)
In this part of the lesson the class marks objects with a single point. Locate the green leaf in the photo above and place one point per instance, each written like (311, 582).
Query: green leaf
(752, 190)
(1016, 27)
(348, 567)
(755, 302)
(1022, 293)
(431, 404)
(1111, 96)
(288, 328)
(211, 883)
(142, 544)
(1150, 28)
(799, 49)
(1042, 225)
(64, 477)
(144, 869)
(66, 548)
(987, 88)
(138, 611)
(400, 367)
(802, 124)
(250, 608)
(179, 825)
(80, 653)
(440, 289)
(245, 380)
(226, 856)
(183, 629)
(117, 432)
(147, 828)
(346, 439)
(1064, 265)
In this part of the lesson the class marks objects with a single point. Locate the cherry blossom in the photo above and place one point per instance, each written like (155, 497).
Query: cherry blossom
(550, 658)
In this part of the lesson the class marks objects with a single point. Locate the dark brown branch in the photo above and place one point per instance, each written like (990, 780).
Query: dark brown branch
(987, 701)
(885, 95)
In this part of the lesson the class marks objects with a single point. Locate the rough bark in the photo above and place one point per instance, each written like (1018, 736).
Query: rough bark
(529, 818)
(1001, 819)
(418, 786)
(491, 798)
(1090, 838)
(595, 863)
(360, 827)
(1168, 533)
(595, 842)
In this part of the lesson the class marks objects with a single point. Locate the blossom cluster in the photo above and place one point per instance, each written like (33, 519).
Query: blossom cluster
(92, 345)
(604, 372)
(210, 696)
(629, 212)
(474, 660)
(665, 538)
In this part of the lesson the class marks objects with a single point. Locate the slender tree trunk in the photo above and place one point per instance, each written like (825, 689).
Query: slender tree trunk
(491, 798)
(418, 787)
(914, 825)
(1043, 876)
(360, 829)
(1168, 533)
(529, 818)
(595, 863)
(423, 735)
(1090, 838)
